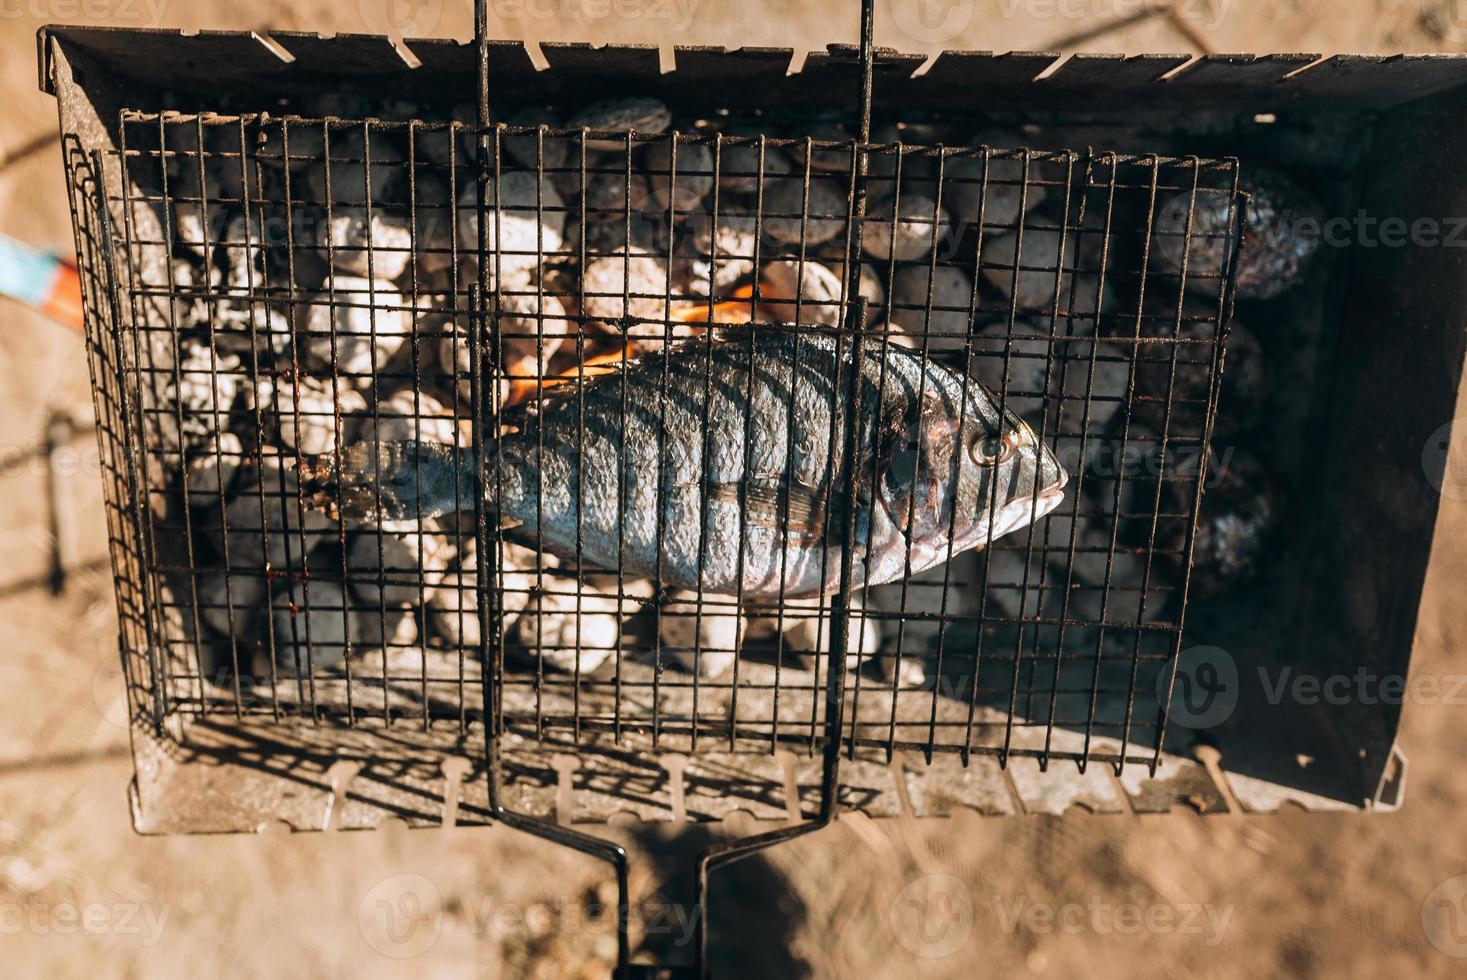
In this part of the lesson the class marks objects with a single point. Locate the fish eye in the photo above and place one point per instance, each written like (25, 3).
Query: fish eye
(989, 449)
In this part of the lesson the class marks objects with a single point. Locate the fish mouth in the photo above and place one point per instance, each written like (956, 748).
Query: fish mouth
(1018, 513)
(1056, 493)
(1049, 500)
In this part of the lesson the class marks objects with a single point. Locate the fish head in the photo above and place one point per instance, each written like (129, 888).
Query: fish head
(963, 473)
(1008, 477)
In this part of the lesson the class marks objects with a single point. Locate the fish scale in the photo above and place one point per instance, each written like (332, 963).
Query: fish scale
(663, 445)
(727, 481)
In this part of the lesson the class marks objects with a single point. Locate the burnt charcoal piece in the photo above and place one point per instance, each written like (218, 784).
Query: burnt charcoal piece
(1153, 508)
(1244, 382)
(1280, 235)
(1236, 528)
(634, 114)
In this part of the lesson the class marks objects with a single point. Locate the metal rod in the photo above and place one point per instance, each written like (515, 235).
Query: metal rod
(489, 589)
(855, 319)
(59, 431)
(134, 483)
(1227, 297)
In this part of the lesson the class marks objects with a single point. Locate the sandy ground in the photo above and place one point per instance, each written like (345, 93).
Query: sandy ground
(1176, 896)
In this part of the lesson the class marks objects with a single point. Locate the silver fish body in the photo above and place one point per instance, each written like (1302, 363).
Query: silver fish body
(722, 467)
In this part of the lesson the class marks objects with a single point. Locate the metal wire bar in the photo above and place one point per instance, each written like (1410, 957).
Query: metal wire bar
(110, 289)
(1227, 294)
(586, 843)
(855, 321)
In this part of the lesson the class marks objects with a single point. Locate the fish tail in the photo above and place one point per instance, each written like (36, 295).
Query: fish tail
(394, 481)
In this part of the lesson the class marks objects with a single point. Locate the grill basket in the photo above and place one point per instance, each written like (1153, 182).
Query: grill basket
(261, 604)
(268, 284)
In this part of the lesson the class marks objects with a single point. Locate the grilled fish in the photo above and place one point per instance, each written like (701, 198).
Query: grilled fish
(722, 465)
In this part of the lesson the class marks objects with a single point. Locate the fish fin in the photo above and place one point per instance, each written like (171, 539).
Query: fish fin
(916, 452)
(403, 480)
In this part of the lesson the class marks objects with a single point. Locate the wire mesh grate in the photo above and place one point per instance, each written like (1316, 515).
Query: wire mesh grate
(290, 290)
